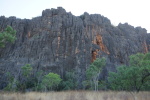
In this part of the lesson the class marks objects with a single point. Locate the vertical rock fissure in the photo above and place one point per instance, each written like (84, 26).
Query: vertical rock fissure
(145, 47)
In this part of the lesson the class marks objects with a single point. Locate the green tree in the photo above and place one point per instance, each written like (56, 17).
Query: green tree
(12, 83)
(38, 80)
(93, 72)
(26, 70)
(134, 77)
(8, 35)
(69, 82)
(10, 77)
(50, 81)
(27, 80)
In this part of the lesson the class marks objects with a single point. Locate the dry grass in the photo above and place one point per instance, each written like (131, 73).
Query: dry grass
(76, 95)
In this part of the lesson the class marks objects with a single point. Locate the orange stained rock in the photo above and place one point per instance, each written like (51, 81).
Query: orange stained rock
(76, 50)
(145, 48)
(99, 41)
(58, 45)
(29, 34)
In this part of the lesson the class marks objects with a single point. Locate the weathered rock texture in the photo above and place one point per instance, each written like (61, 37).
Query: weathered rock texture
(58, 41)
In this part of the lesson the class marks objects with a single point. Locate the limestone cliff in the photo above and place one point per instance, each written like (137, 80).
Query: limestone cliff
(58, 41)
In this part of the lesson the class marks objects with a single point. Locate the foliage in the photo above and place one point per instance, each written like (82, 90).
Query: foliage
(26, 70)
(50, 81)
(93, 72)
(135, 77)
(30, 82)
(12, 82)
(69, 82)
(27, 80)
(8, 35)
(38, 80)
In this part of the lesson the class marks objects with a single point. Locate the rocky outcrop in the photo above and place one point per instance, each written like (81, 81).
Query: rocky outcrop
(58, 41)
(148, 42)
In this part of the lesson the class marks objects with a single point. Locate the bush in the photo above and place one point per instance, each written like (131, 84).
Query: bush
(50, 81)
(9, 35)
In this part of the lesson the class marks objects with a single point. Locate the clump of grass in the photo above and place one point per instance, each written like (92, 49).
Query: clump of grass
(76, 95)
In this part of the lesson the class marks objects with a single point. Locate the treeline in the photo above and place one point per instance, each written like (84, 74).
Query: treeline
(135, 77)
(39, 81)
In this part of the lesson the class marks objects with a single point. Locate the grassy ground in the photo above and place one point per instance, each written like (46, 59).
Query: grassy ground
(76, 95)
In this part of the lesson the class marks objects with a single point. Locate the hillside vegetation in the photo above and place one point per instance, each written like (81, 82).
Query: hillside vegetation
(135, 77)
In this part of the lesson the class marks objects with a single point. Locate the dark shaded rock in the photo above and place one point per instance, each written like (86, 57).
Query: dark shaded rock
(58, 42)
(148, 41)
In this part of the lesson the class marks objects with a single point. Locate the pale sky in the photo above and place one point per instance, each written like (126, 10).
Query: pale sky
(134, 12)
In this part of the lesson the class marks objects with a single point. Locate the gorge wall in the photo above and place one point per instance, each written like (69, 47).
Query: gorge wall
(58, 42)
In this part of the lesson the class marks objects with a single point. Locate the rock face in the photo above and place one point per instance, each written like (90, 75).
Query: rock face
(148, 42)
(58, 42)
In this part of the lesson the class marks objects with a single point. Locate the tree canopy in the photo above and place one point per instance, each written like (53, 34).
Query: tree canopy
(134, 77)
(93, 72)
(50, 81)
(8, 35)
